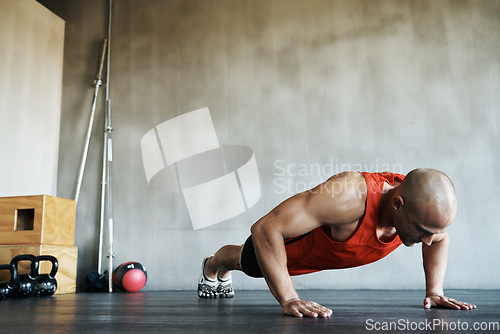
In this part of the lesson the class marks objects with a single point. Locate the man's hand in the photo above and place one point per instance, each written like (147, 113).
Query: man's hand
(299, 308)
(446, 302)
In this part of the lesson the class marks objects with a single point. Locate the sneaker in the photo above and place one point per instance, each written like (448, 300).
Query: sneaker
(207, 287)
(225, 287)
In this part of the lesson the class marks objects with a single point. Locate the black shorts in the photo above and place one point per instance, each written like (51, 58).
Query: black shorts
(249, 264)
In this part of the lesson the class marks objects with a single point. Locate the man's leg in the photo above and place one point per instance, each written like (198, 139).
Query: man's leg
(215, 280)
(226, 259)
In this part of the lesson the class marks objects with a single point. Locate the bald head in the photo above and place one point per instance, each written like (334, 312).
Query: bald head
(430, 194)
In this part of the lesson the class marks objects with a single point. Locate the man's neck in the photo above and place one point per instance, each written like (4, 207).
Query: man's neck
(385, 218)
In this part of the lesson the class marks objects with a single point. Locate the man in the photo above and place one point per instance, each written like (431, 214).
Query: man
(349, 220)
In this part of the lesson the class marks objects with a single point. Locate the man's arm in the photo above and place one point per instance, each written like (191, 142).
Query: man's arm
(337, 201)
(268, 234)
(435, 258)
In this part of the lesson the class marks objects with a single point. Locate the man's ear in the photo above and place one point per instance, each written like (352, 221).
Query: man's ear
(397, 203)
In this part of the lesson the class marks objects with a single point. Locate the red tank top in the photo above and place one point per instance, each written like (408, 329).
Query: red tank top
(316, 250)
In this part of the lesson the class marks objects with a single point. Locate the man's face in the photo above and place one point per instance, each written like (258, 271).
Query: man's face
(414, 227)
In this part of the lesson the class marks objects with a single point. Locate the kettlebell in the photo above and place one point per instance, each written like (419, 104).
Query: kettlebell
(46, 284)
(26, 282)
(7, 289)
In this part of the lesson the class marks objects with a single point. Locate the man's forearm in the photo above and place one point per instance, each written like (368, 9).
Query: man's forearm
(271, 255)
(435, 258)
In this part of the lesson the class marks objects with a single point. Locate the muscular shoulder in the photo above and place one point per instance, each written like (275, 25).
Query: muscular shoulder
(339, 200)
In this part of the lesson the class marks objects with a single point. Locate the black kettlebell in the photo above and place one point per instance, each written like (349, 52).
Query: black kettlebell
(26, 282)
(46, 284)
(7, 289)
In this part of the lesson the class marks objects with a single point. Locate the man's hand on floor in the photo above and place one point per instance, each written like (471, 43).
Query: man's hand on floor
(300, 308)
(446, 302)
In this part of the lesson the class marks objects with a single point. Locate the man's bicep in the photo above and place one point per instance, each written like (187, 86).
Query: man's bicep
(291, 218)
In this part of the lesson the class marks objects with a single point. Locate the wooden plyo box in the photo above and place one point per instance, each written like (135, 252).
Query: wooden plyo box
(37, 220)
(66, 256)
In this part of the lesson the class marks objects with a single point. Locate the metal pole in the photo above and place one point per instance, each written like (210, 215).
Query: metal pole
(108, 56)
(97, 83)
(103, 193)
(110, 197)
(109, 159)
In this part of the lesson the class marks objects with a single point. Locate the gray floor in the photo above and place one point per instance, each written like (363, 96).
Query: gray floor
(356, 311)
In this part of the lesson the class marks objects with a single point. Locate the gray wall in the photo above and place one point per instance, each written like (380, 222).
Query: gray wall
(315, 87)
(31, 67)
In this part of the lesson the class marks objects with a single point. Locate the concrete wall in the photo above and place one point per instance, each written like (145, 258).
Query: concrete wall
(313, 87)
(31, 63)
